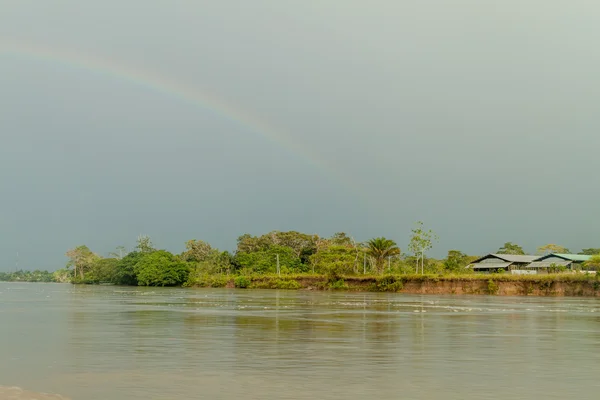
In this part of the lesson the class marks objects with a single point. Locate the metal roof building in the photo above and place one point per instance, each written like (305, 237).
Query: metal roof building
(559, 260)
(495, 262)
(526, 263)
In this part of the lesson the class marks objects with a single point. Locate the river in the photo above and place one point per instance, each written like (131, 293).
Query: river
(118, 343)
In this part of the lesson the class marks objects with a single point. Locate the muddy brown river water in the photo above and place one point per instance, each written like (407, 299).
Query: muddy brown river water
(104, 342)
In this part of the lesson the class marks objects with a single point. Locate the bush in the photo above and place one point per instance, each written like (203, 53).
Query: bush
(266, 261)
(388, 283)
(493, 287)
(161, 268)
(242, 282)
(339, 284)
(276, 283)
(205, 280)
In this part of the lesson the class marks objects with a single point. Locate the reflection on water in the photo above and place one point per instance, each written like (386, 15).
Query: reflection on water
(92, 343)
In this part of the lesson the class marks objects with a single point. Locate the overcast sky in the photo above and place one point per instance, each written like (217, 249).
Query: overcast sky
(478, 117)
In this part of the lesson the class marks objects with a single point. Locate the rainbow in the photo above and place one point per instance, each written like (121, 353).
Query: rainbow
(169, 87)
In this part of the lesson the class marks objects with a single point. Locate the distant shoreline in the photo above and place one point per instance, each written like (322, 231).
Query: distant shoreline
(575, 285)
(500, 285)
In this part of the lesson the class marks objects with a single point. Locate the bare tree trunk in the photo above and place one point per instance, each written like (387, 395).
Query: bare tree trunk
(355, 269)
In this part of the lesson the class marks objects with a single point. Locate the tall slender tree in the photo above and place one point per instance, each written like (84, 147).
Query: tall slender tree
(421, 241)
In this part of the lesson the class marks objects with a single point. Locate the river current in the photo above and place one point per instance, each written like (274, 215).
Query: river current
(121, 343)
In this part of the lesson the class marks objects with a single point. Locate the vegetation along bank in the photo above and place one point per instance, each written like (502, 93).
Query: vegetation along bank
(295, 260)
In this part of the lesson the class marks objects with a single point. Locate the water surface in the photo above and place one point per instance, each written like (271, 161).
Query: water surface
(105, 342)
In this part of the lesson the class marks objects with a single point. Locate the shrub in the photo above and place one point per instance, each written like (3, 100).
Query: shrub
(276, 283)
(388, 283)
(242, 282)
(339, 284)
(161, 268)
(493, 287)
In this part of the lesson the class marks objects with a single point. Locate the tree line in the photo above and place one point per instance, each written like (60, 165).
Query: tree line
(281, 253)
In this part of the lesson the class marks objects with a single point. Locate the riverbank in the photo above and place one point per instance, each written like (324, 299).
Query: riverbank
(500, 285)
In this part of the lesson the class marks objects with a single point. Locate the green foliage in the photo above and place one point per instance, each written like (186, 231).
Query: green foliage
(144, 244)
(197, 251)
(590, 252)
(276, 283)
(380, 249)
(334, 259)
(301, 245)
(338, 284)
(593, 263)
(456, 261)
(552, 248)
(492, 287)
(27, 276)
(205, 280)
(556, 269)
(242, 282)
(161, 268)
(511, 248)
(103, 270)
(388, 283)
(81, 259)
(214, 262)
(62, 275)
(265, 261)
(125, 269)
(421, 241)
(337, 261)
(342, 239)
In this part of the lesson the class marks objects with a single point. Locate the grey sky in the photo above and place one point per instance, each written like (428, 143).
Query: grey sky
(478, 117)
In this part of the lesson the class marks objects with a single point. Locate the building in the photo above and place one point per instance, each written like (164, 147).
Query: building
(556, 260)
(516, 264)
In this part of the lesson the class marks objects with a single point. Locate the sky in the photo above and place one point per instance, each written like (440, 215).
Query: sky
(209, 119)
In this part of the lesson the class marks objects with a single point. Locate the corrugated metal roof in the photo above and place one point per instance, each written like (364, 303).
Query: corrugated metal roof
(515, 257)
(573, 257)
(508, 258)
(548, 264)
(489, 265)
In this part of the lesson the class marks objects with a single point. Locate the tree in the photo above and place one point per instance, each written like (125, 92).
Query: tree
(215, 262)
(593, 263)
(302, 244)
(119, 252)
(421, 241)
(161, 268)
(81, 259)
(334, 259)
(196, 251)
(552, 248)
(342, 239)
(249, 244)
(144, 244)
(102, 270)
(265, 261)
(511, 248)
(339, 243)
(125, 269)
(379, 249)
(456, 261)
(590, 252)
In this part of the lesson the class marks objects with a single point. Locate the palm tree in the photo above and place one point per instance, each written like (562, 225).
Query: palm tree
(381, 248)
